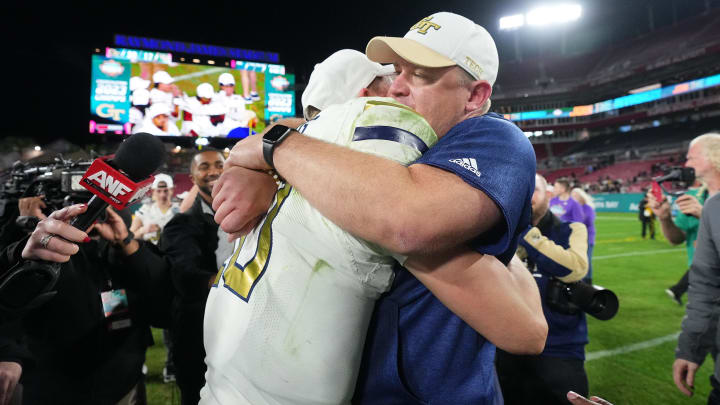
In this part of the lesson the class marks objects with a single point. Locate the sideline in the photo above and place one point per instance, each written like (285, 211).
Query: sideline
(631, 348)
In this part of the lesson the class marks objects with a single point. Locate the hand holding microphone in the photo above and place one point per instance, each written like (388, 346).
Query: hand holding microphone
(120, 181)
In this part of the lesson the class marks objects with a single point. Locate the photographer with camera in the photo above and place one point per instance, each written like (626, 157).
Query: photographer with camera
(684, 228)
(555, 251)
(88, 341)
(700, 322)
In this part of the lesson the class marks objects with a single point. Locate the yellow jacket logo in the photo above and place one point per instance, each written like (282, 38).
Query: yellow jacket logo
(424, 25)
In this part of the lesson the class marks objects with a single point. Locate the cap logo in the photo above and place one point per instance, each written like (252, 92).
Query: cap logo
(424, 25)
(474, 66)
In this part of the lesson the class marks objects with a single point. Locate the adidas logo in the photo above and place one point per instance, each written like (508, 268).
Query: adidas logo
(468, 163)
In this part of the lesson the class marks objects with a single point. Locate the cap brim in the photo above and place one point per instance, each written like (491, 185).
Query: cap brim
(387, 49)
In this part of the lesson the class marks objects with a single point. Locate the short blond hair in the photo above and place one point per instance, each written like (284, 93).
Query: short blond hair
(710, 143)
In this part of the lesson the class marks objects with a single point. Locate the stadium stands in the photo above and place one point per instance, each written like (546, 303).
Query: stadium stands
(694, 37)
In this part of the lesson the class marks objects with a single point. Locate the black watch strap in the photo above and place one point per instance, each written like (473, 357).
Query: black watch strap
(128, 238)
(274, 137)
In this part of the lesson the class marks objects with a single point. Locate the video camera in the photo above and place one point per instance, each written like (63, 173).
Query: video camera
(59, 182)
(571, 298)
(677, 174)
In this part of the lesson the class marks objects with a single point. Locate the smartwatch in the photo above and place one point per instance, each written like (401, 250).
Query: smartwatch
(272, 138)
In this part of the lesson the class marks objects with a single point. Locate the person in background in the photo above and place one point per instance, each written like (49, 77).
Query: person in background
(151, 218)
(249, 83)
(165, 91)
(140, 103)
(147, 225)
(237, 114)
(647, 218)
(588, 207)
(684, 227)
(157, 121)
(88, 343)
(555, 251)
(700, 321)
(195, 248)
(563, 206)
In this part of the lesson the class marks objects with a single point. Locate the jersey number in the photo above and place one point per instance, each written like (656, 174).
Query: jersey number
(241, 279)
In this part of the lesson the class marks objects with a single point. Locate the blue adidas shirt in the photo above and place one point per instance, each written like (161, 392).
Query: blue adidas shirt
(417, 351)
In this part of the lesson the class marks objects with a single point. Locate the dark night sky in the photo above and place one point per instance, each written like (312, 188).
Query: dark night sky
(47, 48)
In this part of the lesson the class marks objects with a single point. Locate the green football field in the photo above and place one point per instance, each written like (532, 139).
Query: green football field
(629, 357)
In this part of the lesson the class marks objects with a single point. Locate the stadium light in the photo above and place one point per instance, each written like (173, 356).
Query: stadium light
(542, 16)
(38, 148)
(559, 13)
(512, 22)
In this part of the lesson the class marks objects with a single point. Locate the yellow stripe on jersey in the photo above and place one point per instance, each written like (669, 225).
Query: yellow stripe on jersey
(241, 279)
(232, 259)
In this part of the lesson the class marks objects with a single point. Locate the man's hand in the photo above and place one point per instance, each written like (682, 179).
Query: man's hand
(32, 206)
(150, 228)
(113, 229)
(53, 237)
(689, 205)
(248, 153)
(577, 399)
(660, 208)
(9, 375)
(684, 375)
(241, 197)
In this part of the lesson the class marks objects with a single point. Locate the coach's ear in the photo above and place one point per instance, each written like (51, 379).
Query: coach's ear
(364, 92)
(480, 92)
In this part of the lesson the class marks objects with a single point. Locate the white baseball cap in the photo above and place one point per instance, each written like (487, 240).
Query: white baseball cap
(162, 178)
(162, 77)
(340, 78)
(440, 40)
(226, 79)
(140, 97)
(137, 82)
(205, 90)
(157, 109)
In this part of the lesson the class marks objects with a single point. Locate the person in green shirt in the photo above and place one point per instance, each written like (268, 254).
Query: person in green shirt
(684, 227)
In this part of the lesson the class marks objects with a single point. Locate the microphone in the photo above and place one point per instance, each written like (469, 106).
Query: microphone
(121, 179)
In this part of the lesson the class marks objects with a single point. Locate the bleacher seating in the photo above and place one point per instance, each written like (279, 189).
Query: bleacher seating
(686, 39)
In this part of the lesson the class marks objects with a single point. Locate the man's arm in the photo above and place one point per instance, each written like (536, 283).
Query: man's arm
(501, 303)
(568, 265)
(702, 297)
(408, 210)
(672, 233)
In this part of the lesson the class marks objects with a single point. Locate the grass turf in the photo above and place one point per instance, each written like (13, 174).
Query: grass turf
(638, 271)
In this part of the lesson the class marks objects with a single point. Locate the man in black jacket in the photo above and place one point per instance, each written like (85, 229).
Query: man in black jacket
(195, 248)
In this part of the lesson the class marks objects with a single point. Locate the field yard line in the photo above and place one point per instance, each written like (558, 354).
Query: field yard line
(641, 253)
(617, 218)
(200, 73)
(633, 347)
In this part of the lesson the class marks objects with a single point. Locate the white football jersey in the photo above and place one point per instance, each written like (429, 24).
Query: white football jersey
(150, 213)
(285, 322)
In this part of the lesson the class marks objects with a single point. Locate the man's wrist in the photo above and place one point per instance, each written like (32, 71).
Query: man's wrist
(271, 140)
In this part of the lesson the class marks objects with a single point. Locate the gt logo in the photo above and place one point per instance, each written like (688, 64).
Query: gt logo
(109, 111)
(113, 186)
(424, 25)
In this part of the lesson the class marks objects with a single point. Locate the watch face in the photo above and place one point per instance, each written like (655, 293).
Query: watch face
(275, 133)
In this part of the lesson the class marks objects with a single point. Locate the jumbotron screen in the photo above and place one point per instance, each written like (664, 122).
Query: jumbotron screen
(141, 91)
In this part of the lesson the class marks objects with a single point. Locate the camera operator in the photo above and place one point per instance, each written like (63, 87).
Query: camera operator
(554, 250)
(701, 311)
(88, 342)
(684, 228)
